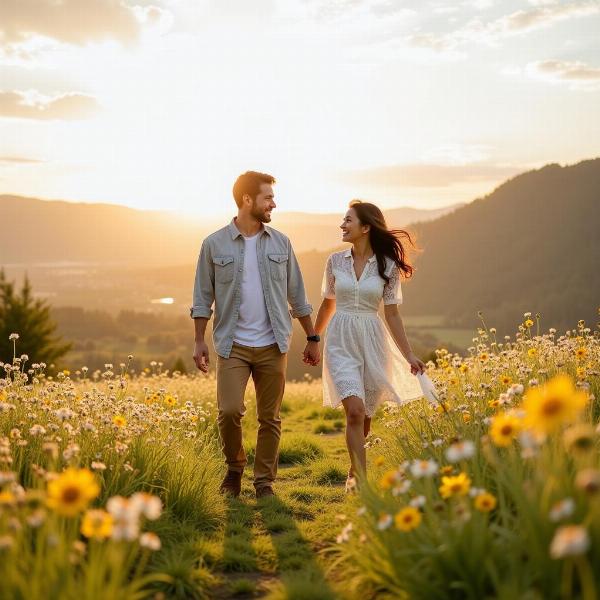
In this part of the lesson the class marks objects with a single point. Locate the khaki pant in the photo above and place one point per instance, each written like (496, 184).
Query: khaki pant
(267, 366)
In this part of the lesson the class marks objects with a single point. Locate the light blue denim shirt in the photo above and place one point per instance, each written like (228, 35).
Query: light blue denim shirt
(219, 276)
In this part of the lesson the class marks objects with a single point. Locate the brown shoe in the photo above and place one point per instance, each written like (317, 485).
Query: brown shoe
(232, 484)
(264, 492)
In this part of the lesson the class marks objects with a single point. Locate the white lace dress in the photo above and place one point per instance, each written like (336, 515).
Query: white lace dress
(360, 357)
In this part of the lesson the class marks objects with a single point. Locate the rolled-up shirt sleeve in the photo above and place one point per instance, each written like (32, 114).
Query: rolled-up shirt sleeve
(204, 285)
(295, 287)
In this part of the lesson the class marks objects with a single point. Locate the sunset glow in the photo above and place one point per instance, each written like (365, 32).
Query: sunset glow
(405, 103)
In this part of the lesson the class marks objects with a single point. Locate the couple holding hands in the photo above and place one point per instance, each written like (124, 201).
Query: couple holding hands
(248, 271)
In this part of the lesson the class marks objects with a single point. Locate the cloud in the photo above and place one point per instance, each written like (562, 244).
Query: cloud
(575, 73)
(367, 11)
(76, 22)
(525, 20)
(479, 4)
(516, 23)
(31, 105)
(428, 175)
(543, 2)
(19, 160)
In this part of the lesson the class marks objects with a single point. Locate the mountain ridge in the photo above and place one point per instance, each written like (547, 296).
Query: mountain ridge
(54, 231)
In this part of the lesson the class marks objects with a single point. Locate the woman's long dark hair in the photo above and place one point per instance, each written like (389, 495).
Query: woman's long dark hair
(385, 242)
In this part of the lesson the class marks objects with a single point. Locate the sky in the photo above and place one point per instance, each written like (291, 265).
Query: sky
(161, 104)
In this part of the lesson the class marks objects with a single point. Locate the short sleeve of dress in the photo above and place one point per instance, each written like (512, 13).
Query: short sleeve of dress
(328, 285)
(392, 290)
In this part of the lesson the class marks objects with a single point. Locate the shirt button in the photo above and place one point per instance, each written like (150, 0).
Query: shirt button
(240, 269)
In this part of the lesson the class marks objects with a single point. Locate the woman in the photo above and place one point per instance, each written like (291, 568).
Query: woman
(363, 365)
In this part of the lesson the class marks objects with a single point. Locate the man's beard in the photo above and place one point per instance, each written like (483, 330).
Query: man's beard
(261, 216)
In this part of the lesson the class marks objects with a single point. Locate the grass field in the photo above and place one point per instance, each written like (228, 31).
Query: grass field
(109, 485)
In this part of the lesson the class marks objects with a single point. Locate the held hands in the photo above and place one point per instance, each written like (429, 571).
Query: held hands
(416, 364)
(312, 354)
(201, 356)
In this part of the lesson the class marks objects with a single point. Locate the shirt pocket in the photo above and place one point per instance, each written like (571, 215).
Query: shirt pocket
(223, 269)
(278, 264)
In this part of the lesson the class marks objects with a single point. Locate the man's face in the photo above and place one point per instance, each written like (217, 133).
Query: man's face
(263, 204)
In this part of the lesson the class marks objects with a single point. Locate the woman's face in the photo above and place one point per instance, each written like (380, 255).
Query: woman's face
(352, 228)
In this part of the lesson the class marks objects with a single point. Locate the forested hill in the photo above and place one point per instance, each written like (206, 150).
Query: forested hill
(533, 244)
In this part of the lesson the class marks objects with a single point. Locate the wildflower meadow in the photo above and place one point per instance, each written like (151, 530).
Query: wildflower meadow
(109, 484)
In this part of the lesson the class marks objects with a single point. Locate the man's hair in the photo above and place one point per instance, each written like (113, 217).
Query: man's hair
(249, 183)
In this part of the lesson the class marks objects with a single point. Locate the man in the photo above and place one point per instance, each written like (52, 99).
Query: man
(250, 273)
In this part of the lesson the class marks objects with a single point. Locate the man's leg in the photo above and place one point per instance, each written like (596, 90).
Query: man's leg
(269, 380)
(232, 377)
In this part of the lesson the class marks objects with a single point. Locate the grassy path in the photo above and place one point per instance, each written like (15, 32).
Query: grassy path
(281, 547)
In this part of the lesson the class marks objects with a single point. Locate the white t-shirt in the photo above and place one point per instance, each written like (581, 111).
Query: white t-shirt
(253, 326)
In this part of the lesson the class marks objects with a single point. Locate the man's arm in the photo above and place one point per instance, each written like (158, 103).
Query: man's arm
(312, 354)
(295, 288)
(301, 309)
(201, 311)
(200, 348)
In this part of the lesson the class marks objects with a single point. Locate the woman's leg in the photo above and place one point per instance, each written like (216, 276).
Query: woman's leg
(355, 434)
(367, 425)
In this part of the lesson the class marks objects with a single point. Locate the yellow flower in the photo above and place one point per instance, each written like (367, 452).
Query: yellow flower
(549, 406)
(493, 403)
(97, 524)
(466, 417)
(463, 368)
(170, 400)
(580, 372)
(484, 356)
(379, 461)
(408, 519)
(72, 491)
(457, 485)
(505, 380)
(581, 353)
(485, 502)
(528, 323)
(7, 498)
(453, 380)
(442, 407)
(119, 420)
(446, 470)
(388, 479)
(580, 438)
(532, 352)
(504, 429)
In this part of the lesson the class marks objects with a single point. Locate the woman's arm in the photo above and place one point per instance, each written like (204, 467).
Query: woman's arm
(327, 307)
(394, 321)
(326, 311)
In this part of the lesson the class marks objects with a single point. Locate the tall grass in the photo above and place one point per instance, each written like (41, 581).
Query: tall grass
(495, 492)
(119, 436)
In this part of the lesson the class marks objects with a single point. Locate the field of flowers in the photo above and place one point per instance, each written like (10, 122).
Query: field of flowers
(495, 492)
(109, 485)
(98, 472)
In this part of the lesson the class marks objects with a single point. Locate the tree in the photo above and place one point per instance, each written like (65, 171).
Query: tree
(30, 318)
